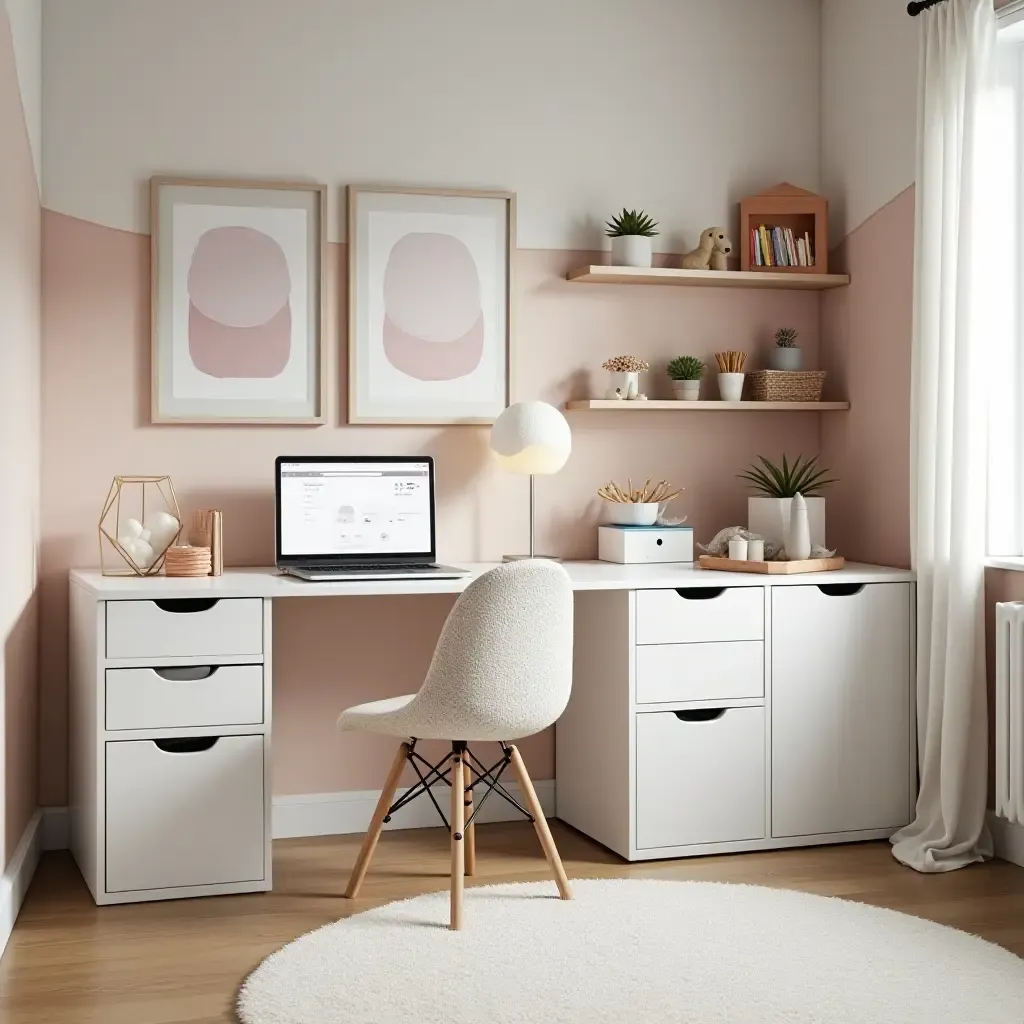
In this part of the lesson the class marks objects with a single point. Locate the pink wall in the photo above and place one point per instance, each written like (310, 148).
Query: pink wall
(866, 331)
(19, 451)
(332, 653)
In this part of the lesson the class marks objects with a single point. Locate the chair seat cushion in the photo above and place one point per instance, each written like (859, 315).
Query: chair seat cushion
(376, 716)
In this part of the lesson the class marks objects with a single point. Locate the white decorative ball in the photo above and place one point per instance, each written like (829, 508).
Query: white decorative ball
(132, 528)
(163, 528)
(531, 437)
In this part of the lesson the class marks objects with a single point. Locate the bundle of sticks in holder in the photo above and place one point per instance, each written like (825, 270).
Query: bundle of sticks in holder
(731, 362)
(650, 492)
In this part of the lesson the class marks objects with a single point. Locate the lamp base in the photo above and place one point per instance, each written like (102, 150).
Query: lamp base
(526, 558)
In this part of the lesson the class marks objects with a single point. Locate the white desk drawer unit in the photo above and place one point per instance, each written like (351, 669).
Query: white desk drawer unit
(190, 627)
(719, 719)
(184, 697)
(170, 787)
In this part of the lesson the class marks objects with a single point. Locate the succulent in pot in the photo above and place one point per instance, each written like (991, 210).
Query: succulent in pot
(786, 355)
(631, 232)
(685, 373)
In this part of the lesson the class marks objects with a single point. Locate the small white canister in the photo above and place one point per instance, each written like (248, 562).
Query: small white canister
(738, 549)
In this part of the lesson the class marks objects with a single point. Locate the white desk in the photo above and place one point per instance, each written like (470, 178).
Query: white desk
(711, 712)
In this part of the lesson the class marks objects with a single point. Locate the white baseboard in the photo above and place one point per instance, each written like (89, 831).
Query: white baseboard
(333, 814)
(1008, 839)
(330, 814)
(18, 876)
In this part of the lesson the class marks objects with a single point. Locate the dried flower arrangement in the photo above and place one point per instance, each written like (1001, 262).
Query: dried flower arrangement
(649, 493)
(731, 362)
(785, 337)
(625, 364)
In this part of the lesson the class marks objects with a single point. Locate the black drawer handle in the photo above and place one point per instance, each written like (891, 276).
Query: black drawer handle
(187, 673)
(186, 605)
(701, 714)
(840, 589)
(700, 593)
(191, 745)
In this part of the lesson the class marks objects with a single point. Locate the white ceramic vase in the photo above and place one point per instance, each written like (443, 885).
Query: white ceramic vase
(631, 251)
(786, 359)
(625, 513)
(798, 539)
(686, 390)
(769, 517)
(730, 386)
(626, 383)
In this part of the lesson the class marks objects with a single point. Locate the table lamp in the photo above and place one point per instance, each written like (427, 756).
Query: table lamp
(531, 438)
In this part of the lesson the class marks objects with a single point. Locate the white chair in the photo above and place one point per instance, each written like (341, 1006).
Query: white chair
(502, 670)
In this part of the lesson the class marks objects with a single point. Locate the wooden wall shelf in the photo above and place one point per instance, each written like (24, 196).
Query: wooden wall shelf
(780, 279)
(652, 405)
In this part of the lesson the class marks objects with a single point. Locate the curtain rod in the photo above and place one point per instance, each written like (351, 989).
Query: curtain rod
(915, 7)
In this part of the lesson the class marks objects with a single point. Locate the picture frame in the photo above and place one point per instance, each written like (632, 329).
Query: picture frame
(238, 301)
(430, 319)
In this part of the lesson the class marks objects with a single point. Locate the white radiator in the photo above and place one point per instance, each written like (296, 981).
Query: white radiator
(1010, 711)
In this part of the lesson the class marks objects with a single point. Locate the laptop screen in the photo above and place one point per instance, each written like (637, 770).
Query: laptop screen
(355, 507)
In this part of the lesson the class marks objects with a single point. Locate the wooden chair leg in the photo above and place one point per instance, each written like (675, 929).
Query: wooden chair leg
(470, 829)
(387, 795)
(540, 824)
(458, 841)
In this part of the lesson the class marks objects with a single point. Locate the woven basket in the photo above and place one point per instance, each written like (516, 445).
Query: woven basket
(786, 385)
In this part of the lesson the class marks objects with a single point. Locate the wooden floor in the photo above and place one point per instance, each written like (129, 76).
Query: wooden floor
(70, 962)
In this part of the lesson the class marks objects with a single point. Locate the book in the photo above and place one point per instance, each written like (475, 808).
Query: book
(766, 249)
(791, 246)
(801, 252)
(755, 248)
(780, 257)
(810, 249)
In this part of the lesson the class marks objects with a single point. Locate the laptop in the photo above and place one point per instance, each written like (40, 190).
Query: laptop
(342, 517)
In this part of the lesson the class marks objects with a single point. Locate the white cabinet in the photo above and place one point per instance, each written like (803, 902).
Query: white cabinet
(842, 754)
(773, 713)
(699, 777)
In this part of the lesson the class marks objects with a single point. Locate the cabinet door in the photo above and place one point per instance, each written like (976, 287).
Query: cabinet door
(841, 708)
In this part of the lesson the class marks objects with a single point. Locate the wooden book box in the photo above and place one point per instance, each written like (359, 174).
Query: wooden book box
(786, 206)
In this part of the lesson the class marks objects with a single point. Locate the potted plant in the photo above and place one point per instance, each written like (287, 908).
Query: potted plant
(786, 355)
(625, 376)
(631, 233)
(731, 375)
(768, 515)
(685, 373)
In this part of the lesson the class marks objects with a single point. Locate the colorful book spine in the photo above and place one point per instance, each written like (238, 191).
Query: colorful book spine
(780, 247)
(791, 248)
(766, 249)
(755, 248)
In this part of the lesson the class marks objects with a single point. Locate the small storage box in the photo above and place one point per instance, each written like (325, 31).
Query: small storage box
(638, 544)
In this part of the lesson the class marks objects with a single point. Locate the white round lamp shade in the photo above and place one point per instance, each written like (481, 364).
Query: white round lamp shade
(531, 437)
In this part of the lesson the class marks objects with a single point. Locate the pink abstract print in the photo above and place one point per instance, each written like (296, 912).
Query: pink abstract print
(433, 321)
(240, 317)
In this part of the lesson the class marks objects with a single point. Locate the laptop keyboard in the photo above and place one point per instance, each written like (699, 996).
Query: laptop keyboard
(369, 567)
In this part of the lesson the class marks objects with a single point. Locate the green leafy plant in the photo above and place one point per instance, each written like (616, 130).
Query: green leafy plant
(785, 337)
(686, 368)
(629, 222)
(788, 480)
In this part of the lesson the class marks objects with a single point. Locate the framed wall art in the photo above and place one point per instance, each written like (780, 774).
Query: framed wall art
(238, 301)
(430, 284)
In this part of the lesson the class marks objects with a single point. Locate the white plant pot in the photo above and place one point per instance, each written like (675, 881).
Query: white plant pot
(770, 518)
(787, 359)
(626, 383)
(686, 390)
(631, 251)
(622, 513)
(730, 386)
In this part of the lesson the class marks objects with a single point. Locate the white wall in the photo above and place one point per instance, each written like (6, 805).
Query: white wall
(580, 106)
(26, 32)
(869, 107)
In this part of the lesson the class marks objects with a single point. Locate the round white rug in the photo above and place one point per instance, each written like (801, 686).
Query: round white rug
(635, 951)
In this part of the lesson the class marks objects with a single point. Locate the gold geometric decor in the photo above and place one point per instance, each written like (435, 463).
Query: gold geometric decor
(139, 522)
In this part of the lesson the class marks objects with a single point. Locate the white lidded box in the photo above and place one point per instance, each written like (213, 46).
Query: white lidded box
(638, 544)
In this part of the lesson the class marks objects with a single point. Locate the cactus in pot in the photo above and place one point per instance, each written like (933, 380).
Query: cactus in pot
(685, 373)
(631, 232)
(786, 355)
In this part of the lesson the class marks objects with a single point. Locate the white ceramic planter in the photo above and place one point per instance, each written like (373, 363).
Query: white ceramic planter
(624, 513)
(686, 390)
(730, 386)
(625, 383)
(631, 251)
(787, 359)
(770, 518)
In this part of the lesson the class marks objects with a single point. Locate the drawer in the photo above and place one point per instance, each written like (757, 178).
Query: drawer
(177, 698)
(185, 627)
(184, 812)
(695, 614)
(700, 777)
(682, 672)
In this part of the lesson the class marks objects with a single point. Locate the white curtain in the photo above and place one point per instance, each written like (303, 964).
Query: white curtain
(948, 436)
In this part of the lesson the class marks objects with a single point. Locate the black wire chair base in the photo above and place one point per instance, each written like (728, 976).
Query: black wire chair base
(429, 775)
